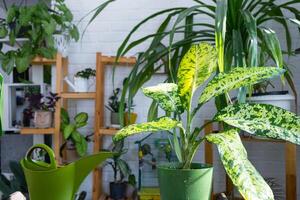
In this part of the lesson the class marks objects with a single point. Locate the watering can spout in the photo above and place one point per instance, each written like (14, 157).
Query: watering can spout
(86, 164)
(69, 83)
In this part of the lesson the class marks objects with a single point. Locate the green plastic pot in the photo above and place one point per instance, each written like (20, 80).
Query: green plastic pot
(185, 184)
(48, 181)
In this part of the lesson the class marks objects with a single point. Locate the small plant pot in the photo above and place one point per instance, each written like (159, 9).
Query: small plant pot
(180, 184)
(117, 190)
(114, 119)
(130, 119)
(43, 119)
(71, 153)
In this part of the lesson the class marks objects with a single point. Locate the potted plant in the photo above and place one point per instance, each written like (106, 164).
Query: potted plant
(36, 24)
(121, 170)
(43, 107)
(114, 106)
(76, 143)
(81, 80)
(187, 180)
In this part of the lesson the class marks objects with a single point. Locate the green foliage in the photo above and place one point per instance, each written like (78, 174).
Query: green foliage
(224, 82)
(86, 73)
(162, 124)
(243, 45)
(70, 130)
(262, 120)
(166, 95)
(240, 170)
(195, 68)
(37, 23)
(17, 183)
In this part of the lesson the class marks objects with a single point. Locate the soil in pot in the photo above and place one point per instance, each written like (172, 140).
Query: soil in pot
(185, 184)
(117, 190)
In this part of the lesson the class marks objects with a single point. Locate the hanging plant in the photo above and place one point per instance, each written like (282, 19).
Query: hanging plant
(37, 24)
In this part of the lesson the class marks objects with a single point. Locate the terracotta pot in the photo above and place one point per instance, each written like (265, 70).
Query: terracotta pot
(130, 119)
(43, 119)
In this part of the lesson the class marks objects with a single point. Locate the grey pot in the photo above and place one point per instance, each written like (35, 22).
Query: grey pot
(114, 118)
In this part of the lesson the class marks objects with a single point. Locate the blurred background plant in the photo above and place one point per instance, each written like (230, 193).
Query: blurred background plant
(36, 24)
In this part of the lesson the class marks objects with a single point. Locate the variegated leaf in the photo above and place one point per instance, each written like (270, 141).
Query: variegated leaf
(166, 95)
(195, 68)
(240, 170)
(263, 120)
(161, 124)
(236, 78)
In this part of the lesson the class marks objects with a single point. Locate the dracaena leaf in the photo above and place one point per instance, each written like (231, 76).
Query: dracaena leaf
(237, 78)
(195, 68)
(162, 124)
(166, 95)
(240, 170)
(263, 120)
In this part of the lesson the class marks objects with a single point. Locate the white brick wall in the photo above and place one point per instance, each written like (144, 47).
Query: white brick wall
(106, 34)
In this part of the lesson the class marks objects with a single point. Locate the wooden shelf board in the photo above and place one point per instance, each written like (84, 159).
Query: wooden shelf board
(37, 131)
(111, 60)
(108, 131)
(43, 61)
(251, 139)
(78, 95)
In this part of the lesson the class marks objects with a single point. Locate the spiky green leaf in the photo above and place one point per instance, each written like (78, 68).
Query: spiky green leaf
(237, 78)
(166, 95)
(263, 120)
(242, 173)
(161, 124)
(195, 68)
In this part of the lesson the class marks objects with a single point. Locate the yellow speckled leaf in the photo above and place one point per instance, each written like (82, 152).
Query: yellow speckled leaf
(240, 170)
(195, 68)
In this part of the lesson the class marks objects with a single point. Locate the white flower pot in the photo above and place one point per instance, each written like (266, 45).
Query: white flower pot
(284, 101)
(43, 119)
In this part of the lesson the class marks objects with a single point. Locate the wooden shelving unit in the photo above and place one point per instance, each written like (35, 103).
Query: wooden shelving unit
(78, 95)
(58, 61)
(290, 162)
(101, 63)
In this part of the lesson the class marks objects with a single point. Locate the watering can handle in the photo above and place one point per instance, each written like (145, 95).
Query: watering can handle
(51, 165)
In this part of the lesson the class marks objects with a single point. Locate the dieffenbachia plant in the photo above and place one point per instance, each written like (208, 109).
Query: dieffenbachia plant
(197, 66)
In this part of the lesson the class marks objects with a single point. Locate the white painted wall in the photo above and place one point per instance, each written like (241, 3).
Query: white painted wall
(106, 34)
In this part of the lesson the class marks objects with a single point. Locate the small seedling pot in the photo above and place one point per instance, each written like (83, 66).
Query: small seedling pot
(43, 119)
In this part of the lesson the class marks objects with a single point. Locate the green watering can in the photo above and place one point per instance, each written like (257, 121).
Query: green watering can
(48, 181)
